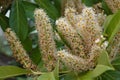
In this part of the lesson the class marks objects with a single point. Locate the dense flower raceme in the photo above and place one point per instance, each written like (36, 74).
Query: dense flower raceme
(46, 41)
(79, 64)
(18, 51)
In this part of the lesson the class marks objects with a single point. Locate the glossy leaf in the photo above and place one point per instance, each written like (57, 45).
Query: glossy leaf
(29, 8)
(10, 71)
(47, 76)
(70, 76)
(49, 7)
(90, 2)
(106, 8)
(103, 66)
(116, 63)
(57, 4)
(35, 55)
(4, 22)
(54, 75)
(111, 75)
(96, 72)
(56, 71)
(113, 26)
(104, 59)
(27, 44)
(18, 20)
(106, 23)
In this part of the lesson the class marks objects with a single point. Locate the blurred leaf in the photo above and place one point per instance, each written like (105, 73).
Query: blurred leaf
(63, 39)
(116, 63)
(47, 76)
(4, 22)
(54, 75)
(113, 26)
(107, 21)
(27, 44)
(104, 59)
(29, 9)
(18, 20)
(90, 2)
(111, 75)
(49, 7)
(59, 44)
(106, 8)
(57, 4)
(96, 72)
(70, 76)
(56, 71)
(35, 55)
(10, 71)
(103, 66)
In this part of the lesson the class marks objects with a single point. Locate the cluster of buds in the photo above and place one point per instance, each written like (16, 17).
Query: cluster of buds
(19, 52)
(82, 32)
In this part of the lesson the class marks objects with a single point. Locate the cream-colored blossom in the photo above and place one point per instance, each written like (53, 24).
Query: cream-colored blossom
(79, 64)
(73, 62)
(79, 5)
(46, 38)
(76, 4)
(101, 17)
(70, 14)
(70, 3)
(88, 27)
(18, 51)
(71, 37)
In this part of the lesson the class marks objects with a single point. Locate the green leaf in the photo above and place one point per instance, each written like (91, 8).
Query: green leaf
(35, 55)
(56, 71)
(104, 59)
(4, 22)
(10, 71)
(111, 75)
(29, 8)
(47, 76)
(90, 2)
(57, 4)
(49, 7)
(70, 76)
(106, 23)
(106, 8)
(18, 20)
(27, 44)
(96, 72)
(116, 63)
(113, 26)
(54, 75)
(103, 66)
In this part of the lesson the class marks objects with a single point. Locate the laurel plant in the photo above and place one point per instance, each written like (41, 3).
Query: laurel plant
(69, 39)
